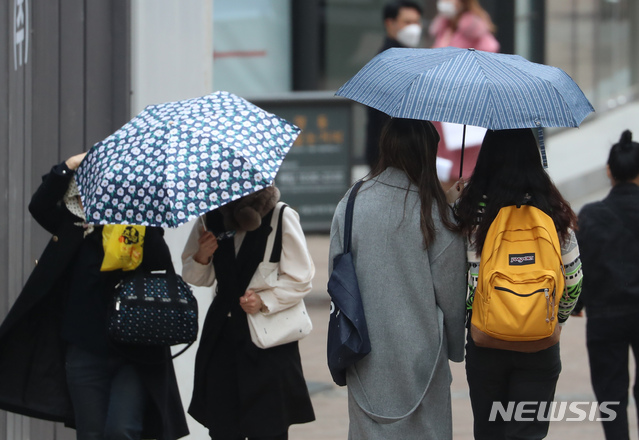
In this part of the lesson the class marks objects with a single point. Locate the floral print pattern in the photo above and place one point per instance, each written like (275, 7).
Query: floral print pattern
(178, 160)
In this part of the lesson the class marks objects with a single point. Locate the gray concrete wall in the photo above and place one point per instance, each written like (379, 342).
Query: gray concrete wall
(64, 85)
(172, 59)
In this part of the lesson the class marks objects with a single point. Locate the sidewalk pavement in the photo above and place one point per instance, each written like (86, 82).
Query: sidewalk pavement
(330, 401)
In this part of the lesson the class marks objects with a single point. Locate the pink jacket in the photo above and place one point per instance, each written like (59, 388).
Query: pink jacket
(472, 31)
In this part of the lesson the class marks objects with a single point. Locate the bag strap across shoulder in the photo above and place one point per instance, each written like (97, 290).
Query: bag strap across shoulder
(273, 248)
(348, 220)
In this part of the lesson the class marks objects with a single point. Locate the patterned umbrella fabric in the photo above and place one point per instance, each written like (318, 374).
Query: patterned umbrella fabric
(467, 86)
(178, 160)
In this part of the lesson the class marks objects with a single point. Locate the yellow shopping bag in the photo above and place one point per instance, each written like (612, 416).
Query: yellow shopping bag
(123, 247)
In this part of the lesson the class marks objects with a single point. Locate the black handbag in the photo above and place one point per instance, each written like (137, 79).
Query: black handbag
(348, 340)
(154, 308)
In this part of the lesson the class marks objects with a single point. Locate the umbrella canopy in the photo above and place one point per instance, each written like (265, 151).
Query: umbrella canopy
(467, 86)
(178, 160)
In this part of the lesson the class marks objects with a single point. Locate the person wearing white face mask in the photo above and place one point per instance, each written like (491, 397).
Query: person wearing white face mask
(464, 24)
(410, 35)
(403, 24)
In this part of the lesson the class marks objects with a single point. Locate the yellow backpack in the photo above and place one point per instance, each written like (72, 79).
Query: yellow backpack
(520, 282)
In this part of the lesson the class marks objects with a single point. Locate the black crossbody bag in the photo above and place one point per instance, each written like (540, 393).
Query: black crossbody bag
(154, 309)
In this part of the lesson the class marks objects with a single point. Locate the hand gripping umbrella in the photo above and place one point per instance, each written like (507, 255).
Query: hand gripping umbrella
(178, 160)
(470, 87)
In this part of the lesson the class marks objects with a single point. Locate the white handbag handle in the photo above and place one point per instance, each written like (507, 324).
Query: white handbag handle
(271, 236)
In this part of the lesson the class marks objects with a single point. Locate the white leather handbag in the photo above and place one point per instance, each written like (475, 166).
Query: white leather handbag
(288, 325)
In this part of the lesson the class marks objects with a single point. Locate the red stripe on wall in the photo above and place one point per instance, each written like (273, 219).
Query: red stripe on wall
(240, 54)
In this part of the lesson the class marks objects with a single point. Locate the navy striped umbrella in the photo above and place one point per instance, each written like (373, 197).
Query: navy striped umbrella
(470, 87)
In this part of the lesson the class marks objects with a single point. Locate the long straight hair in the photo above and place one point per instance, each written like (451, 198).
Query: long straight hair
(410, 145)
(509, 172)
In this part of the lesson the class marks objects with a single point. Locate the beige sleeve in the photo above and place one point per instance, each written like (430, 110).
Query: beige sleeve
(193, 272)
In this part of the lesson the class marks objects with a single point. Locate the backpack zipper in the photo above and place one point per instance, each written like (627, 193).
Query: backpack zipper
(550, 305)
(520, 294)
(547, 304)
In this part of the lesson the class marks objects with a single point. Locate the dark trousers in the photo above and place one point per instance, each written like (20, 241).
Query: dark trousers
(608, 340)
(508, 376)
(226, 421)
(107, 394)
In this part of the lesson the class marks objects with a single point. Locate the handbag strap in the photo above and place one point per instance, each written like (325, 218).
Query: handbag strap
(124, 355)
(276, 254)
(139, 278)
(276, 225)
(348, 221)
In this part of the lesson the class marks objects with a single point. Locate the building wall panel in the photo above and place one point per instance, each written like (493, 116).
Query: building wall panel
(57, 98)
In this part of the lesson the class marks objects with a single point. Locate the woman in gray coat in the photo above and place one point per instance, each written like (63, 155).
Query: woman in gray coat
(411, 272)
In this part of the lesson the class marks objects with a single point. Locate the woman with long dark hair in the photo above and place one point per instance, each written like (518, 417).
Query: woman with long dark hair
(509, 172)
(410, 268)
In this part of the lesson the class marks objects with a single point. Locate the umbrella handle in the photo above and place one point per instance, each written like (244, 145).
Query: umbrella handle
(461, 160)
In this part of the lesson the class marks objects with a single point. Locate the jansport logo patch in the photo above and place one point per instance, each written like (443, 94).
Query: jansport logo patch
(521, 259)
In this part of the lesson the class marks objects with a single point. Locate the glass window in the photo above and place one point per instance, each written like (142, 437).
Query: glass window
(614, 52)
(589, 39)
(592, 41)
(252, 46)
(354, 33)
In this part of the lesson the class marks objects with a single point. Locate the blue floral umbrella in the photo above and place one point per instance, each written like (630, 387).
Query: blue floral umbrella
(178, 160)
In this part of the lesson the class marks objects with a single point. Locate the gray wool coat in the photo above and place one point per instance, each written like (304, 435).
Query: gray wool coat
(414, 302)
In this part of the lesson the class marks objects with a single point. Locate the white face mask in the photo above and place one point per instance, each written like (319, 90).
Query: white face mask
(409, 35)
(447, 9)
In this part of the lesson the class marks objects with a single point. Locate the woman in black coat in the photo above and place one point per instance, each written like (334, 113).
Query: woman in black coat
(608, 237)
(241, 390)
(56, 361)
